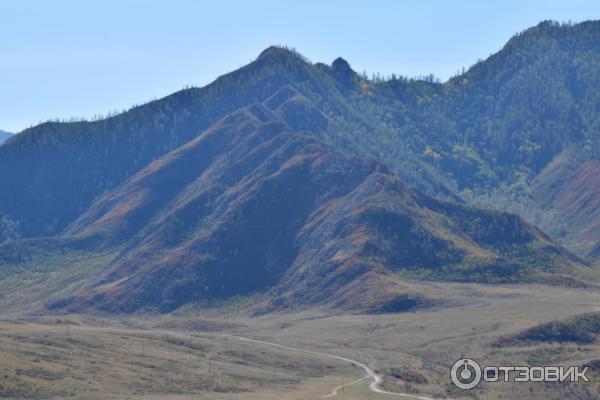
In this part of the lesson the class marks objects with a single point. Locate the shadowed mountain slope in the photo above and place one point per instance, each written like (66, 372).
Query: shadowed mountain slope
(68, 165)
(252, 206)
(285, 178)
(482, 137)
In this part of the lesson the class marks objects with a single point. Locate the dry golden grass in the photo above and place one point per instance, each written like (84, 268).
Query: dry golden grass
(189, 355)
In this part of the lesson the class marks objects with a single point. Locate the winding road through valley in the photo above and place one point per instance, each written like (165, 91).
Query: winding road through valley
(369, 374)
(375, 379)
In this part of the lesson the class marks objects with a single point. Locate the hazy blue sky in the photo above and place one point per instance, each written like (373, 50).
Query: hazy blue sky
(60, 59)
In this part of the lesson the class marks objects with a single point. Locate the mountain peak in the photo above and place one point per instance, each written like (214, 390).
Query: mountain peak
(560, 30)
(340, 64)
(279, 52)
(342, 71)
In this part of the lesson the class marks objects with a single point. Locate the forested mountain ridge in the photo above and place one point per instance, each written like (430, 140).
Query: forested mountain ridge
(482, 137)
(104, 153)
(252, 206)
(493, 129)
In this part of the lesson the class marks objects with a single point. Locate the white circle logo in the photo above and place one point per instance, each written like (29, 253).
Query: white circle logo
(465, 374)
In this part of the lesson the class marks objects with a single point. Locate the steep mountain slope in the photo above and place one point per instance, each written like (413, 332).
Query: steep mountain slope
(96, 156)
(493, 129)
(283, 178)
(573, 189)
(482, 137)
(536, 103)
(252, 206)
(67, 165)
(4, 136)
(532, 99)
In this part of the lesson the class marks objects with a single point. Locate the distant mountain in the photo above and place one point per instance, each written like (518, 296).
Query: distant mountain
(482, 137)
(284, 177)
(73, 163)
(4, 136)
(251, 206)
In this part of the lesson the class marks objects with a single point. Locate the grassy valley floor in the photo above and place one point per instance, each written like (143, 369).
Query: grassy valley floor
(193, 355)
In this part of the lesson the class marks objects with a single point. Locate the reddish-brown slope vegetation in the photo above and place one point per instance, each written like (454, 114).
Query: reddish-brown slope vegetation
(252, 206)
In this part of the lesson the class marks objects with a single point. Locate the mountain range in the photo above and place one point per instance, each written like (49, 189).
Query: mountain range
(310, 184)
